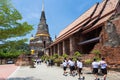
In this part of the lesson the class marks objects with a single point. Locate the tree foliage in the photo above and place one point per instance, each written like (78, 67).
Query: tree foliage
(13, 50)
(11, 28)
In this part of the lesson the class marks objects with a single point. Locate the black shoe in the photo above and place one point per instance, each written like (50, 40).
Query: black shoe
(83, 78)
(76, 73)
(98, 79)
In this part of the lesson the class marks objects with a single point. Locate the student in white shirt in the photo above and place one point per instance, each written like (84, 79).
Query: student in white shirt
(64, 67)
(71, 65)
(79, 67)
(103, 66)
(95, 66)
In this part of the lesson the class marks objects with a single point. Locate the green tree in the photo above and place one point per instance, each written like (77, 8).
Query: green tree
(10, 25)
(11, 28)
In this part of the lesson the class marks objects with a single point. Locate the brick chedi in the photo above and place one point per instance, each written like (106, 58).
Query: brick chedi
(42, 39)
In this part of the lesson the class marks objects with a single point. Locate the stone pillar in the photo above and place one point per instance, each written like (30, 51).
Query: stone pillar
(72, 45)
(50, 51)
(54, 50)
(58, 50)
(64, 48)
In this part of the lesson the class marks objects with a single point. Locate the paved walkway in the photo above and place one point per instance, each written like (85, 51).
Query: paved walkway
(7, 70)
(43, 72)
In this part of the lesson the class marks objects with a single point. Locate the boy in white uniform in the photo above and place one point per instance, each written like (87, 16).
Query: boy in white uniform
(103, 66)
(64, 67)
(79, 67)
(95, 66)
(72, 66)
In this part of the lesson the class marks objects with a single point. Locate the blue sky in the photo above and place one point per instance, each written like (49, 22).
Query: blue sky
(59, 13)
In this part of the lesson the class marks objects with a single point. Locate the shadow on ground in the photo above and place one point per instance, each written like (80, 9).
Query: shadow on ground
(21, 78)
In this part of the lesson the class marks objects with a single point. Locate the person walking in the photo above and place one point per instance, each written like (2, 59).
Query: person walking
(71, 66)
(103, 66)
(64, 67)
(79, 67)
(95, 66)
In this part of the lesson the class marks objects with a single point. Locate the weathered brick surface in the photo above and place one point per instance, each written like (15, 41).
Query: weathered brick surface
(23, 60)
(111, 53)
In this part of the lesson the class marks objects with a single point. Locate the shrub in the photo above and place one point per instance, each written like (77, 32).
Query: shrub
(96, 52)
(58, 61)
(45, 57)
(56, 55)
(65, 55)
(97, 58)
(88, 61)
(77, 54)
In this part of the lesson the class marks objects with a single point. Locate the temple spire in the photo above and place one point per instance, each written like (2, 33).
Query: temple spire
(42, 5)
(43, 19)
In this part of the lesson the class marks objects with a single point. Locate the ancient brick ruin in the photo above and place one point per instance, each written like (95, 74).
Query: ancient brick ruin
(109, 45)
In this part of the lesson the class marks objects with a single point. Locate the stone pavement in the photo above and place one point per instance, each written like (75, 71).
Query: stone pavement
(7, 70)
(43, 72)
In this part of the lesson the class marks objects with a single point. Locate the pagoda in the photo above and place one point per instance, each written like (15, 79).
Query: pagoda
(42, 38)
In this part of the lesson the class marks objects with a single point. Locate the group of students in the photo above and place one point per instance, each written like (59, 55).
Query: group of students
(78, 65)
(49, 62)
(103, 68)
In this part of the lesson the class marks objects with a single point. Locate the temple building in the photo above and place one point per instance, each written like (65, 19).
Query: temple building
(42, 39)
(97, 29)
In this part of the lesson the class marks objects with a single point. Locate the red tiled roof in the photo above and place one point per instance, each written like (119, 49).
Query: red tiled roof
(101, 21)
(77, 21)
(111, 5)
(76, 25)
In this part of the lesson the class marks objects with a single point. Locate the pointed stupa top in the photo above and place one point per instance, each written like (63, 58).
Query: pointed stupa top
(42, 26)
(43, 19)
(42, 5)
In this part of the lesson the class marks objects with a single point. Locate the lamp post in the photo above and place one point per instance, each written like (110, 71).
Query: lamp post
(31, 57)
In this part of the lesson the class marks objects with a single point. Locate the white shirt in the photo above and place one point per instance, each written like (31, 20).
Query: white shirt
(71, 63)
(103, 64)
(79, 65)
(95, 64)
(64, 64)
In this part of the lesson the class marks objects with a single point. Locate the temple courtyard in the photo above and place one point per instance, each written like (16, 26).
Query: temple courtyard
(44, 72)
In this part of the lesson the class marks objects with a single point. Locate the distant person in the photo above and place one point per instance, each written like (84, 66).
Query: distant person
(95, 66)
(47, 62)
(38, 61)
(103, 66)
(52, 62)
(64, 67)
(77, 64)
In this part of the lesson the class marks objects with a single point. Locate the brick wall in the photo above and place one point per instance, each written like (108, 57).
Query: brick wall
(109, 45)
